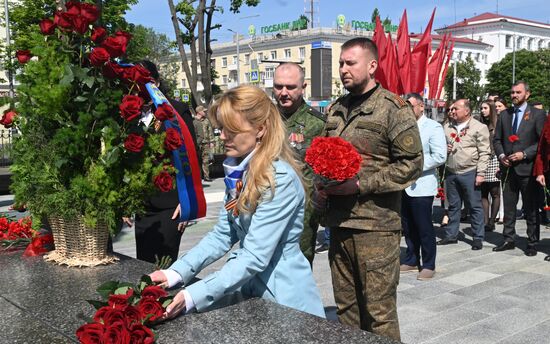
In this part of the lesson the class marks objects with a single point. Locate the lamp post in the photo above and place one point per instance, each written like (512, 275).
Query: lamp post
(238, 57)
(454, 79)
(514, 61)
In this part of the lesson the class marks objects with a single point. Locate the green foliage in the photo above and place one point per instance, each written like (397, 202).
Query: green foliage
(531, 66)
(468, 82)
(70, 158)
(375, 13)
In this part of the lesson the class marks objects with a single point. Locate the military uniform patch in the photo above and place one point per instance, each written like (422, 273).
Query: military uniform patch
(407, 142)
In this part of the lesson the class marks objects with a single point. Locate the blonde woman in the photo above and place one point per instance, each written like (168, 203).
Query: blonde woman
(263, 212)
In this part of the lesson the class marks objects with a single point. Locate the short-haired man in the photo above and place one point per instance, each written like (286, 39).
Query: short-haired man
(516, 139)
(205, 140)
(303, 123)
(363, 212)
(417, 200)
(468, 150)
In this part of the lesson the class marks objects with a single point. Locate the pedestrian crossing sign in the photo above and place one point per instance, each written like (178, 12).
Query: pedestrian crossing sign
(254, 75)
(185, 97)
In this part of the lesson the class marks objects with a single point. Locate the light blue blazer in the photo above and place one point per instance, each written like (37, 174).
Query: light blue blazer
(268, 262)
(434, 147)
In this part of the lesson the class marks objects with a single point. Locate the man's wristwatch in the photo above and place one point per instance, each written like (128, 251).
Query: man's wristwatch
(524, 155)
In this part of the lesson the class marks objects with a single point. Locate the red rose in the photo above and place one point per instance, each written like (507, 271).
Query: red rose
(164, 111)
(115, 45)
(124, 34)
(453, 135)
(80, 25)
(7, 118)
(134, 143)
(91, 333)
(98, 33)
(47, 26)
(112, 70)
(141, 334)
(63, 21)
(130, 107)
(154, 292)
(99, 56)
(133, 315)
(117, 333)
(120, 300)
(163, 181)
(173, 140)
(513, 138)
(23, 56)
(73, 8)
(137, 74)
(457, 139)
(149, 306)
(89, 12)
(109, 315)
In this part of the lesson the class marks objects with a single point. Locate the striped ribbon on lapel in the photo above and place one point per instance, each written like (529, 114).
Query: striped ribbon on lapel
(234, 173)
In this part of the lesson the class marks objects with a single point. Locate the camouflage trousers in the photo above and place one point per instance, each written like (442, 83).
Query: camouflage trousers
(205, 161)
(309, 234)
(365, 275)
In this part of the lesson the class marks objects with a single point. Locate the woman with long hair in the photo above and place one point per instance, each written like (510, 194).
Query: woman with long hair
(264, 210)
(500, 105)
(491, 184)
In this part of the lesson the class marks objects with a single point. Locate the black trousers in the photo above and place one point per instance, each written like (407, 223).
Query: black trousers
(513, 186)
(157, 235)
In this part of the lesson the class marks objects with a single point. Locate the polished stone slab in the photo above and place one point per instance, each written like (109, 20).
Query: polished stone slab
(47, 301)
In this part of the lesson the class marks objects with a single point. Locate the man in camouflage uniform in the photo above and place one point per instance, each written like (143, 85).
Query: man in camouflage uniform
(363, 212)
(205, 140)
(303, 123)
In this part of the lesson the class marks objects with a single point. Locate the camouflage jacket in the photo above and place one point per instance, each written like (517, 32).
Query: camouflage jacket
(383, 129)
(204, 132)
(302, 126)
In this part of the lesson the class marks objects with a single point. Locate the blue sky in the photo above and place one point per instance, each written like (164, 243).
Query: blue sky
(156, 14)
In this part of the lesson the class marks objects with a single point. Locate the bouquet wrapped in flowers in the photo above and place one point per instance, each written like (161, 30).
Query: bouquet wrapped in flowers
(335, 163)
(19, 234)
(83, 149)
(126, 313)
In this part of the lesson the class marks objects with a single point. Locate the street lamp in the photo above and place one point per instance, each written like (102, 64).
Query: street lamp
(454, 80)
(514, 61)
(238, 57)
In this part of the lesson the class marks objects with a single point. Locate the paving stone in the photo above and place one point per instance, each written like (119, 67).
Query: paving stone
(469, 278)
(427, 290)
(498, 284)
(510, 265)
(439, 303)
(539, 333)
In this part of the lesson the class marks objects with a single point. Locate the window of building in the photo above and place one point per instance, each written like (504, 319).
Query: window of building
(530, 44)
(460, 54)
(288, 54)
(519, 42)
(183, 83)
(224, 79)
(540, 44)
(302, 53)
(260, 56)
(213, 63)
(224, 61)
(246, 59)
(234, 59)
(470, 55)
(247, 77)
(273, 54)
(269, 72)
(509, 41)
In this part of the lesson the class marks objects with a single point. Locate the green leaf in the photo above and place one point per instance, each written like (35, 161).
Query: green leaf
(68, 77)
(80, 99)
(97, 304)
(121, 290)
(89, 81)
(60, 162)
(107, 288)
(147, 279)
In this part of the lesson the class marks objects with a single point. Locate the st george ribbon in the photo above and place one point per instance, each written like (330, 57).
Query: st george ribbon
(188, 177)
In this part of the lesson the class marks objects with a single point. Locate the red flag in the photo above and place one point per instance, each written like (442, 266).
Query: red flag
(391, 71)
(444, 74)
(379, 38)
(435, 65)
(404, 54)
(419, 58)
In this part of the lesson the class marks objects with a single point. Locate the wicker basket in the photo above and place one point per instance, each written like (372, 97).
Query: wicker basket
(78, 245)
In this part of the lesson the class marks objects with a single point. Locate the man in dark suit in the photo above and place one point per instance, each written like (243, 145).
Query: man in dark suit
(516, 138)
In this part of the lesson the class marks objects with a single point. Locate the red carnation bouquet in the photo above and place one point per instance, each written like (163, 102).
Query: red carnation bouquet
(126, 313)
(333, 159)
(19, 234)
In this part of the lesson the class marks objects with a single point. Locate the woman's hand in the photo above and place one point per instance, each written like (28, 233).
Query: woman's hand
(159, 278)
(128, 221)
(175, 216)
(176, 307)
(540, 180)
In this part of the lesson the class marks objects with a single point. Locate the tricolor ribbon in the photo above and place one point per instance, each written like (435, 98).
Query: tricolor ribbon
(188, 177)
(234, 173)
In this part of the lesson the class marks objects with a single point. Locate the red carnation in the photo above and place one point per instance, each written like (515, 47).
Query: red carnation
(115, 45)
(141, 334)
(164, 111)
(457, 139)
(173, 139)
(91, 333)
(333, 158)
(149, 306)
(23, 56)
(7, 118)
(513, 138)
(453, 135)
(134, 143)
(130, 107)
(154, 292)
(47, 26)
(99, 56)
(63, 21)
(89, 12)
(98, 34)
(163, 181)
(137, 74)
